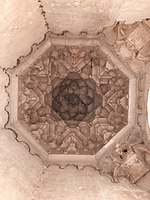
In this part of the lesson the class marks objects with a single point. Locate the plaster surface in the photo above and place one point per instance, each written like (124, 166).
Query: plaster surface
(71, 184)
(20, 171)
(23, 23)
(21, 26)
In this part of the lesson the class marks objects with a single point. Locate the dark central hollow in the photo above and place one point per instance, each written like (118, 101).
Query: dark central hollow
(72, 99)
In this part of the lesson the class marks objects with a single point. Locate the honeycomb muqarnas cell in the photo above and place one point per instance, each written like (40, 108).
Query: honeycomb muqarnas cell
(71, 101)
(74, 99)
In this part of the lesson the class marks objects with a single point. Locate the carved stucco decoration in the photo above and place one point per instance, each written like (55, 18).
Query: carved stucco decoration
(129, 159)
(131, 43)
(34, 82)
(113, 65)
(73, 100)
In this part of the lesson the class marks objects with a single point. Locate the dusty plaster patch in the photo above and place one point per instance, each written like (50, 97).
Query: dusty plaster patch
(18, 21)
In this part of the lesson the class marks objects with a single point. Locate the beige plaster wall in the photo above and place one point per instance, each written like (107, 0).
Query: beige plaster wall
(73, 184)
(145, 182)
(22, 24)
(92, 16)
(19, 170)
(134, 10)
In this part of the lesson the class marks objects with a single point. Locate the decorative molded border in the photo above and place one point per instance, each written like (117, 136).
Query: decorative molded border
(23, 135)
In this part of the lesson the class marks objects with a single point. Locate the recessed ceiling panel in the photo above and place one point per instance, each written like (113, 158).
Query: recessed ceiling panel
(73, 100)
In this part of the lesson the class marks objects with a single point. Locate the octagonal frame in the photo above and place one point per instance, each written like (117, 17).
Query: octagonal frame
(24, 135)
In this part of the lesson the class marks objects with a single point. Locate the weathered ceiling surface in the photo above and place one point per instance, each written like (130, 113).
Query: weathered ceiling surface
(83, 15)
(73, 100)
(81, 99)
(26, 22)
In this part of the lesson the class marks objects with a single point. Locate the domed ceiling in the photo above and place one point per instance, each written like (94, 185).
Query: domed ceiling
(81, 99)
(73, 100)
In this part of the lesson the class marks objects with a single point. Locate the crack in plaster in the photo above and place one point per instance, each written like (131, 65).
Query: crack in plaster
(43, 13)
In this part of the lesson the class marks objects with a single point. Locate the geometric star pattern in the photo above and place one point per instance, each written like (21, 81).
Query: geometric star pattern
(73, 100)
